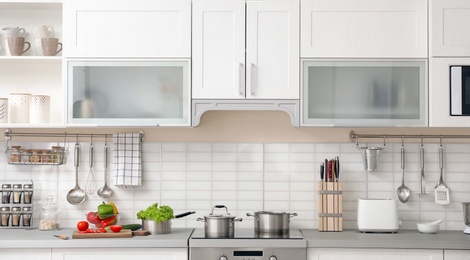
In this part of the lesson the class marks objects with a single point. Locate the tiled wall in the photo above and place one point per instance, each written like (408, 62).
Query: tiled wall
(248, 177)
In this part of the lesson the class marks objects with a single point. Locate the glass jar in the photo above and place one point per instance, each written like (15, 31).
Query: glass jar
(35, 156)
(6, 193)
(17, 191)
(25, 155)
(48, 218)
(27, 215)
(5, 216)
(15, 154)
(15, 216)
(56, 154)
(27, 193)
(46, 156)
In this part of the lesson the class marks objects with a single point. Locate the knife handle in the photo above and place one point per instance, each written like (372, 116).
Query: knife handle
(322, 172)
(330, 170)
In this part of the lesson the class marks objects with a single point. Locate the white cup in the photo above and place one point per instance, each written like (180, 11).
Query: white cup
(38, 33)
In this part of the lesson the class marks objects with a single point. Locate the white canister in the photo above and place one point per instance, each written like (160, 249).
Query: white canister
(39, 109)
(18, 107)
(3, 110)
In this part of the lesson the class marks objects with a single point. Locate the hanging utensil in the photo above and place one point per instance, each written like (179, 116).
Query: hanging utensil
(441, 192)
(90, 185)
(76, 195)
(105, 191)
(422, 190)
(403, 191)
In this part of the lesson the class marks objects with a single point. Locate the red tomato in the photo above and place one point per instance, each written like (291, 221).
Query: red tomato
(82, 225)
(115, 228)
(93, 218)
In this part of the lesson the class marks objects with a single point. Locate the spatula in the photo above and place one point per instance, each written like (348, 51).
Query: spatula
(441, 192)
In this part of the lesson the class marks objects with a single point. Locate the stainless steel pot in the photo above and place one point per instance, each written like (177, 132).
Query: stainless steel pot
(219, 226)
(276, 222)
(162, 227)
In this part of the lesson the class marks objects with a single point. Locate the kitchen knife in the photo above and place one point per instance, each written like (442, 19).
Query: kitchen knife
(337, 169)
(326, 170)
(322, 171)
(330, 170)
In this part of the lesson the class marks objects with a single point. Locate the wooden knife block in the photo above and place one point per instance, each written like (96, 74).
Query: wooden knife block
(330, 206)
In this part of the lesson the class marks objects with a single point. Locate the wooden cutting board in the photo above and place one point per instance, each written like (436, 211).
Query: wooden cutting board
(109, 234)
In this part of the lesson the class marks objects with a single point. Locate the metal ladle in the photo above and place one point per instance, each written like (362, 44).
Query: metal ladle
(76, 195)
(403, 191)
(105, 191)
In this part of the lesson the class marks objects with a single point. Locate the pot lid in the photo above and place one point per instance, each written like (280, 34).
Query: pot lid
(220, 216)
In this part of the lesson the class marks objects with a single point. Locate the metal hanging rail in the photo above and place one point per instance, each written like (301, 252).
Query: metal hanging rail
(8, 134)
(354, 137)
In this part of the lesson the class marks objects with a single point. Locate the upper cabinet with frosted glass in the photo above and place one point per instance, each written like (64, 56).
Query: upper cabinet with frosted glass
(123, 28)
(364, 28)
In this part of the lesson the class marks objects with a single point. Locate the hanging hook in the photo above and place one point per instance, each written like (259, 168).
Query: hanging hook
(357, 142)
(384, 141)
(105, 139)
(402, 140)
(91, 139)
(440, 142)
(422, 140)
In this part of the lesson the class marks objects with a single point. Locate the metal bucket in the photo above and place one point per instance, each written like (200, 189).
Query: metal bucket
(371, 157)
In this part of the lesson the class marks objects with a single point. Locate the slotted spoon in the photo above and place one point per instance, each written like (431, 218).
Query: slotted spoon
(441, 192)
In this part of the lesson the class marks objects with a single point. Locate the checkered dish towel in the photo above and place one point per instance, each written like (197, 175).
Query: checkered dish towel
(127, 158)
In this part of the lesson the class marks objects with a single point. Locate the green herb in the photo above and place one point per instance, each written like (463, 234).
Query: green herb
(154, 212)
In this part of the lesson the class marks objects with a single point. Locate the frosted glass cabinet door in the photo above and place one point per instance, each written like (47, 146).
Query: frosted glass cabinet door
(364, 93)
(124, 93)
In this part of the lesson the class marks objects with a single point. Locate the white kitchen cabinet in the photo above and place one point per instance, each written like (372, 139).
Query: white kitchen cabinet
(439, 93)
(372, 254)
(363, 92)
(25, 253)
(269, 30)
(456, 254)
(122, 28)
(36, 75)
(128, 92)
(364, 28)
(450, 33)
(120, 253)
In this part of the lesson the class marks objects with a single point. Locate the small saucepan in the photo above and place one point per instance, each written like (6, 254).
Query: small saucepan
(162, 227)
(219, 226)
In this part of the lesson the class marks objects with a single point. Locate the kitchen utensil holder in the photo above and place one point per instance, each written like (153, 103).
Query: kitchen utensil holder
(23, 218)
(330, 206)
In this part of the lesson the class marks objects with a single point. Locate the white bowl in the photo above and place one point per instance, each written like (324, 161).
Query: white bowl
(428, 228)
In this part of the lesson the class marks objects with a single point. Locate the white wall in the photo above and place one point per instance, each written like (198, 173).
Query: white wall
(248, 176)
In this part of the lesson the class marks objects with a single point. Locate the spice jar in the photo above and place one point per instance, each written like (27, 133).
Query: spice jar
(27, 215)
(48, 218)
(17, 190)
(27, 193)
(35, 156)
(46, 156)
(6, 193)
(56, 154)
(15, 216)
(15, 154)
(25, 155)
(5, 216)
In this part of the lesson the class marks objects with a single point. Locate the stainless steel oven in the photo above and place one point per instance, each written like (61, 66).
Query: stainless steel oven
(459, 90)
(247, 244)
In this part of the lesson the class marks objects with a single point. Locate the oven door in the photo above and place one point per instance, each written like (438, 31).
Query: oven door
(460, 90)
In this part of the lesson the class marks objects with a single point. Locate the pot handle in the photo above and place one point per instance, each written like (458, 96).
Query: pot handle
(237, 220)
(250, 215)
(220, 207)
(185, 214)
(201, 219)
(292, 215)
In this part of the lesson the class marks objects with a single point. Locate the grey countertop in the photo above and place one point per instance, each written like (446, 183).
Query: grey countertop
(406, 239)
(34, 238)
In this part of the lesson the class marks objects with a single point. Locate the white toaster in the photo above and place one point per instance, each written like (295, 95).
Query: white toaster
(377, 215)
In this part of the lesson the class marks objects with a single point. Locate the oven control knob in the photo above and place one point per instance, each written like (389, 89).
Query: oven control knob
(223, 258)
(272, 258)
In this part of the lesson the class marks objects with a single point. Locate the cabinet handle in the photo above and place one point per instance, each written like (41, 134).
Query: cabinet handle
(241, 80)
(252, 79)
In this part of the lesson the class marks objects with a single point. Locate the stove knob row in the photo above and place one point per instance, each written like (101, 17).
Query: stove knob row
(223, 258)
(272, 258)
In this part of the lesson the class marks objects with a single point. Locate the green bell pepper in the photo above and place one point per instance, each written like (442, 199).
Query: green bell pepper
(105, 211)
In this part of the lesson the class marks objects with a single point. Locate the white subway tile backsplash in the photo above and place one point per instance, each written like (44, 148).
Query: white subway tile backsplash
(249, 177)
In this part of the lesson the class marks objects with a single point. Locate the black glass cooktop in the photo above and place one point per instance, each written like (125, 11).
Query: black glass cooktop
(250, 234)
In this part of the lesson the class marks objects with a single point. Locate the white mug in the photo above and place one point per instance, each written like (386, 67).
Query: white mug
(43, 31)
